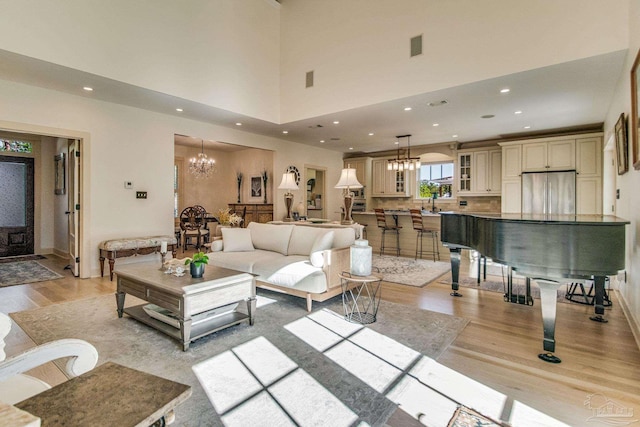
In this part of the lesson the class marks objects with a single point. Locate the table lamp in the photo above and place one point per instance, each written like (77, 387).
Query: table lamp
(347, 181)
(288, 183)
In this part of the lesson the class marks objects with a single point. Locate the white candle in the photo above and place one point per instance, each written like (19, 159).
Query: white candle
(163, 247)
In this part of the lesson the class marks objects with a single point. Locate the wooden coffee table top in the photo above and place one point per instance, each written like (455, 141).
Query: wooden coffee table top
(150, 274)
(110, 394)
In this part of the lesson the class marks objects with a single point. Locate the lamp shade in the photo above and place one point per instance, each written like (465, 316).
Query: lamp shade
(348, 179)
(288, 182)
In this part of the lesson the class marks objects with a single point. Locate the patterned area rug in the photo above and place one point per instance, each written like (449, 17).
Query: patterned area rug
(407, 271)
(21, 258)
(19, 273)
(133, 344)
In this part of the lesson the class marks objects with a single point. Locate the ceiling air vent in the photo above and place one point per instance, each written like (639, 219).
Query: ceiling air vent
(416, 45)
(309, 79)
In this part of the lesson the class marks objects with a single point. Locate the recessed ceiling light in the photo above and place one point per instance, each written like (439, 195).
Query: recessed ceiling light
(517, 112)
(350, 148)
(505, 90)
(488, 116)
(322, 141)
(179, 110)
(397, 142)
(238, 124)
(435, 125)
(370, 133)
(527, 127)
(407, 108)
(88, 89)
(335, 122)
(454, 136)
(285, 131)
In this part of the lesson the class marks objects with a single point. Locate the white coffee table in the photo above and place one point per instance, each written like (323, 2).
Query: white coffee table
(186, 297)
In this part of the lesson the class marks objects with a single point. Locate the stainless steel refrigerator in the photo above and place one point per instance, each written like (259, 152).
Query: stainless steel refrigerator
(552, 192)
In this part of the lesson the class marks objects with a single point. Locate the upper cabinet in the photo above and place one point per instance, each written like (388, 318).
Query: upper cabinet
(479, 172)
(360, 165)
(580, 153)
(552, 155)
(388, 183)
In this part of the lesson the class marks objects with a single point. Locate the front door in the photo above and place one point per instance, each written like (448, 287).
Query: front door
(16, 206)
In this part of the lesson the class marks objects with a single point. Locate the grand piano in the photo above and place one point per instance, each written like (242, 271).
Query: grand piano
(548, 249)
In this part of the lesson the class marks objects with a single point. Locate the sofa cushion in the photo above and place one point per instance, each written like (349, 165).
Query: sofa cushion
(270, 237)
(241, 261)
(343, 237)
(322, 243)
(237, 240)
(303, 238)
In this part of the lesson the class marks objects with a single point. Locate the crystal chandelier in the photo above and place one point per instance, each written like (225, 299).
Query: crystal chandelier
(404, 163)
(202, 166)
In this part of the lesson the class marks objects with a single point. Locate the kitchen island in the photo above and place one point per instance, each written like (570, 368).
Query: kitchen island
(407, 233)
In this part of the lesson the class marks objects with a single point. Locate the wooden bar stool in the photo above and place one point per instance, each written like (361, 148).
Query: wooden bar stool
(418, 226)
(382, 224)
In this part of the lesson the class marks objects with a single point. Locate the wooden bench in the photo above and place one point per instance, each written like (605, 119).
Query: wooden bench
(133, 246)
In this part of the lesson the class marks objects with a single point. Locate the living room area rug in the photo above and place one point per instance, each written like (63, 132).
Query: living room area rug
(21, 272)
(407, 271)
(278, 329)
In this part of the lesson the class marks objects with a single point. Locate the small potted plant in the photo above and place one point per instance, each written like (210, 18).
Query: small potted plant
(196, 264)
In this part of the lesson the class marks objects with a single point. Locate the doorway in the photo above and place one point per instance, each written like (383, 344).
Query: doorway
(16, 210)
(315, 192)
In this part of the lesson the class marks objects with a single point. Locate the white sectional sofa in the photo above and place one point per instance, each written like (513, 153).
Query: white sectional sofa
(295, 259)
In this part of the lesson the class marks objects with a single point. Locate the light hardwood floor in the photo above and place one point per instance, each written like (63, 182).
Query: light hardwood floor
(498, 347)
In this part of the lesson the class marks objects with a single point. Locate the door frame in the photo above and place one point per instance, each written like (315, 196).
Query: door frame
(84, 181)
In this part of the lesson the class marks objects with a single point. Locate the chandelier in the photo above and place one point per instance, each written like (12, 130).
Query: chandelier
(202, 166)
(406, 162)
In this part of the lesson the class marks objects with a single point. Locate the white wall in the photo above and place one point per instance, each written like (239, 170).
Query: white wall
(223, 53)
(123, 143)
(358, 48)
(628, 207)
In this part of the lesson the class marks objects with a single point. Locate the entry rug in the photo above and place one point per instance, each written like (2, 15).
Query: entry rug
(134, 344)
(407, 271)
(21, 258)
(19, 273)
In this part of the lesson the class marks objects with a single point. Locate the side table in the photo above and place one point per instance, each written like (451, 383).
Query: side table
(360, 297)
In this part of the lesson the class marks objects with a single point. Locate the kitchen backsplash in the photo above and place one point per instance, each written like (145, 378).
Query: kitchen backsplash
(474, 204)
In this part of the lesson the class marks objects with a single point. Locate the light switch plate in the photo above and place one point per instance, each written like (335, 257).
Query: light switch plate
(128, 185)
(141, 194)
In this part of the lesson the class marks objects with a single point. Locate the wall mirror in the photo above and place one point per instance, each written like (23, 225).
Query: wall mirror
(60, 171)
(634, 113)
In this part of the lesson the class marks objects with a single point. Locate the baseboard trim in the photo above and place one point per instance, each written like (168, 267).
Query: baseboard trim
(633, 322)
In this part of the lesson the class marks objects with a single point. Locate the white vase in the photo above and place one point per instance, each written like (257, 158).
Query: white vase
(361, 258)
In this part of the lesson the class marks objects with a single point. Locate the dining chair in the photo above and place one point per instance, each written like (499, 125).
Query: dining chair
(192, 225)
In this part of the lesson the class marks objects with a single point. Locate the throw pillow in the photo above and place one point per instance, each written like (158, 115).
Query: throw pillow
(216, 246)
(322, 243)
(237, 240)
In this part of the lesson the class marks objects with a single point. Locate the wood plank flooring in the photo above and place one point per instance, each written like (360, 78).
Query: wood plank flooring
(499, 347)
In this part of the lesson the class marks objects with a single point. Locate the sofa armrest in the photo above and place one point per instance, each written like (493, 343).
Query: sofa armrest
(335, 262)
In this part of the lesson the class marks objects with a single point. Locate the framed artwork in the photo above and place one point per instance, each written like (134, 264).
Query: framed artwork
(256, 187)
(622, 146)
(60, 171)
(634, 113)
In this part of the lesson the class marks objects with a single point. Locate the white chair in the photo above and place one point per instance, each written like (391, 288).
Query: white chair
(15, 386)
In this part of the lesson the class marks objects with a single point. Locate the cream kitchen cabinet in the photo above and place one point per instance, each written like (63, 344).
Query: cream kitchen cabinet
(480, 172)
(360, 165)
(386, 183)
(552, 155)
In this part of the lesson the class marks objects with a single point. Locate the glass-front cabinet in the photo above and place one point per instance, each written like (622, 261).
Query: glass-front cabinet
(464, 176)
(388, 183)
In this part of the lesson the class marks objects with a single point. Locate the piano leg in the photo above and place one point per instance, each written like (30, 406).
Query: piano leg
(548, 295)
(598, 283)
(455, 271)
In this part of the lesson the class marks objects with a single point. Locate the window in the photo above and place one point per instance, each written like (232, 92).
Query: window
(435, 178)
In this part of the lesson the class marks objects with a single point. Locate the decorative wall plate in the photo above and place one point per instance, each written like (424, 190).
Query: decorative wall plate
(294, 170)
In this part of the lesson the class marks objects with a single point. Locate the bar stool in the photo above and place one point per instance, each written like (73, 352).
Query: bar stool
(418, 225)
(382, 224)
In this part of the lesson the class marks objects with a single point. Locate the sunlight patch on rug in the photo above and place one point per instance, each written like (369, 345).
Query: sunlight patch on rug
(21, 272)
(407, 271)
